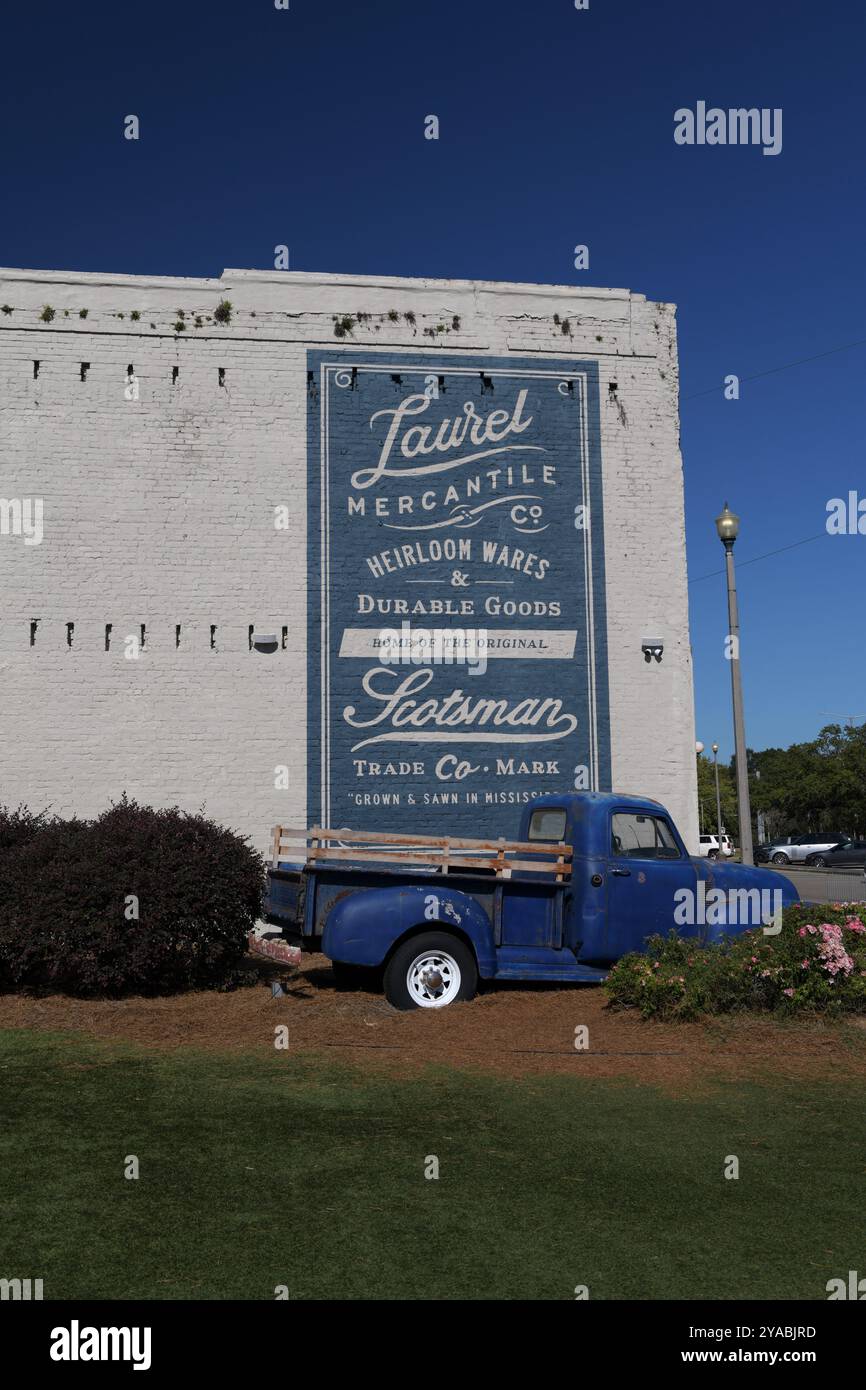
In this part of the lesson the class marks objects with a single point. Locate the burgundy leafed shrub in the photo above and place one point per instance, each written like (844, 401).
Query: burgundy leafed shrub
(20, 825)
(136, 902)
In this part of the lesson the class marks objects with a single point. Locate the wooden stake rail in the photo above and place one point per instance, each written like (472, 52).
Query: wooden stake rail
(444, 852)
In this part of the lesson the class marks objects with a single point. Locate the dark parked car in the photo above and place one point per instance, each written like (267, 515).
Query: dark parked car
(798, 850)
(850, 854)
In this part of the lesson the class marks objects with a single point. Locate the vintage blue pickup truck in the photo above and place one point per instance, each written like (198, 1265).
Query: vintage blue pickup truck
(591, 876)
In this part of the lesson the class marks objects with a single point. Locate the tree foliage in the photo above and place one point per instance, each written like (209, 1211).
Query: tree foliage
(808, 787)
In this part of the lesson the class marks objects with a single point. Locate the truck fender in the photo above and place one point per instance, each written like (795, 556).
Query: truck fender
(754, 895)
(364, 927)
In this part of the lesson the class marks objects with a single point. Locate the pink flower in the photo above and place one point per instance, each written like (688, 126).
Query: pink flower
(802, 931)
(834, 958)
(789, 992)
(804, 965)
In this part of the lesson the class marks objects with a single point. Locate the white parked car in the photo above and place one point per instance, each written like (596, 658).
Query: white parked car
(798, 851)
(709, 847)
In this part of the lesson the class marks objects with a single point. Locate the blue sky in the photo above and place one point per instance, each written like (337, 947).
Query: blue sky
(305, 127)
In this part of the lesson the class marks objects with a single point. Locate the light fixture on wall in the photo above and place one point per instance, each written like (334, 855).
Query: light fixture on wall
(652, 647)
(263, 641)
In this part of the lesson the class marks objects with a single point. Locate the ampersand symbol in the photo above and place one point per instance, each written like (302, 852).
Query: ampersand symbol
(458, 580)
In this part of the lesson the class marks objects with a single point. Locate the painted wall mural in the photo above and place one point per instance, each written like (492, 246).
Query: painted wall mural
(457, 663)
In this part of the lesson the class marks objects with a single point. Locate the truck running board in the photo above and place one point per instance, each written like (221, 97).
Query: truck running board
(579, 974)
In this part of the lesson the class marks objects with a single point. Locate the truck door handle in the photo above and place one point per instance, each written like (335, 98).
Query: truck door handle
(621, 873)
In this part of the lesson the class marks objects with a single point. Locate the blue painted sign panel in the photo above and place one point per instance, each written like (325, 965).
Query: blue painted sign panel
(457, 663)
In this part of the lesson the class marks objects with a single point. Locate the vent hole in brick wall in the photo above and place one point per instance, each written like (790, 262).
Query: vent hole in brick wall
(130, 370)
(70, 633)
(250, 632)
(35, 370)
(108, 627)
(213, 645)
(221, 376)
(284, 638)
(34, 624)
(175, 373)
(85, 368)
(177, 635)
(486, 383)
(143, 636)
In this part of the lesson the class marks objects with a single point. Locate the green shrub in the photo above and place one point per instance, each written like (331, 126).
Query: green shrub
(816, 963)
(137, 901)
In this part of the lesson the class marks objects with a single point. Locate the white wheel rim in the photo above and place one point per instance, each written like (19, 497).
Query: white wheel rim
(433, 980)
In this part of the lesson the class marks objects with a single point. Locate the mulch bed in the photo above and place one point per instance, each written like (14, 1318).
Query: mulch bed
(514, 1030)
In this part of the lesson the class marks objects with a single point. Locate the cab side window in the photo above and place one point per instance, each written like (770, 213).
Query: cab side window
(638, 836)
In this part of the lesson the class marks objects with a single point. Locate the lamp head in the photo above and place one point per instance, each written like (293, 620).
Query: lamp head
(727, 525)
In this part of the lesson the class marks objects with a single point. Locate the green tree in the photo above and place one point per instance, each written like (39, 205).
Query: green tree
(707, 797)
(815, 786)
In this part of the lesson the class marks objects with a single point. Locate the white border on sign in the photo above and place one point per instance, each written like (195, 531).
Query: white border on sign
(326, 370)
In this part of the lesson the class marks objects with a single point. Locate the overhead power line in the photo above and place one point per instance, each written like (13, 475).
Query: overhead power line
(741, 564)
(844, 347)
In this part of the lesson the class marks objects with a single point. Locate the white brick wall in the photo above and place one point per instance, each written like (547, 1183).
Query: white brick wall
(160, 511)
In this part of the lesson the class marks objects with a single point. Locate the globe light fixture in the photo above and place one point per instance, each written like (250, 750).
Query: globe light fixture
(727, 525)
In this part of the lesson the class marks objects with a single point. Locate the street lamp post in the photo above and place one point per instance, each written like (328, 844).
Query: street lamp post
(727, 525)
(718, 797)
(699, 748)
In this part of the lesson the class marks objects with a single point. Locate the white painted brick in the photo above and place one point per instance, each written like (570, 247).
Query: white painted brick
(160, 511)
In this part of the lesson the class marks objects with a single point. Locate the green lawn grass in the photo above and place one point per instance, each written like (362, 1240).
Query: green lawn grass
(258, 1172)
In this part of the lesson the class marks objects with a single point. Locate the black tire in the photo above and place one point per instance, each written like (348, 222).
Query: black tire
(819, 861)
(433, 944)
(781, 858)
(713, 854)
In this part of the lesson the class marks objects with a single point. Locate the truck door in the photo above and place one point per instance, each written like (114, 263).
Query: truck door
(646, 868)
